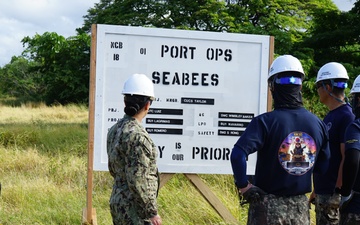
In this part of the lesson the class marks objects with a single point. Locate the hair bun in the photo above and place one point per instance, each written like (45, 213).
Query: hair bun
(130, 110)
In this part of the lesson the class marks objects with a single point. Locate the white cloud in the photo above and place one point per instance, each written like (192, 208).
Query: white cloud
(344, 5)
(21, 18)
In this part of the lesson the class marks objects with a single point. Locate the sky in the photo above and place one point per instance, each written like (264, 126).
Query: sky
(21, 18)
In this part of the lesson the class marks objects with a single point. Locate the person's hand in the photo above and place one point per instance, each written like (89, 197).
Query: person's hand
(345, 201)
(156, 220)
(251, 194)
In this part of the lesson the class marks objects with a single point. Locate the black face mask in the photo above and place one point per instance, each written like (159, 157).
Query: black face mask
(287, 96)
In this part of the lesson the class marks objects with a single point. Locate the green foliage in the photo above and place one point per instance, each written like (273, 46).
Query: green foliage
(63, 64)
(125, 12)
(334, 37)
(286, 20)
(289, 21)
(210, 15)
(18, 81)
(315, 31)
(330, 33)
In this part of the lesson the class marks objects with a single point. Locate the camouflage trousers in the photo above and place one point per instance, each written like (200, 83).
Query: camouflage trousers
(124, 216)
(349, 219)
(280, 210)
(327, 209)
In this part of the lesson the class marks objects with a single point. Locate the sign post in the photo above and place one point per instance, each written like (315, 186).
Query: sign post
(208, 87)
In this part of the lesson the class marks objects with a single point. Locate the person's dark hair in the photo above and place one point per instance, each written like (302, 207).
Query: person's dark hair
(355, 104)
(336, 90)
(134, 103)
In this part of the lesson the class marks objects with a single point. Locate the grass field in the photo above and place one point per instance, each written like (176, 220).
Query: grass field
(43, 172)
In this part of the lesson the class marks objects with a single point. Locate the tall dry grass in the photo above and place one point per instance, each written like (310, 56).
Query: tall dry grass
(40, 113)
(43, 172)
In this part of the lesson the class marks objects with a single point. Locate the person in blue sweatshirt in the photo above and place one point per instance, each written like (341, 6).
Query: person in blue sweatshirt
(283, 177)
(350, 189)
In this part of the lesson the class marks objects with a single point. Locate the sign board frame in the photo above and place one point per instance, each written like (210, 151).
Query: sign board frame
(208, 87)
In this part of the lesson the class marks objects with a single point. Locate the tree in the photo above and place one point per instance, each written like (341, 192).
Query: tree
(124, 12)
(334, 36)
(17, 80)
(287, 20)
(63, 65)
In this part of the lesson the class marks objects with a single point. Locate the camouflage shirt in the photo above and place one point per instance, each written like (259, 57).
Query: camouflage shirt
(132, 162)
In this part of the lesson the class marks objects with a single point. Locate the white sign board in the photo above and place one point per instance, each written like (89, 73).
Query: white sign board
(208, 87)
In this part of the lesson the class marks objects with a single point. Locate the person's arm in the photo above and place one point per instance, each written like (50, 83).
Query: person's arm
(346, 122)
(322, 160)
(142, 177)
(250, 142)
(350, 170)
(321, 166)
(340, 171)
(248, 191)
(238, 163)
(322, 163)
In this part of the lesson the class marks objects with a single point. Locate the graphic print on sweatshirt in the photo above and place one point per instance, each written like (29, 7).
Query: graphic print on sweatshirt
(297, 153)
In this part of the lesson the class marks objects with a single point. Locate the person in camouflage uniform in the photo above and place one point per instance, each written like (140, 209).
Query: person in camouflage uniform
(132, 159)
(277, 192)
(350, 190)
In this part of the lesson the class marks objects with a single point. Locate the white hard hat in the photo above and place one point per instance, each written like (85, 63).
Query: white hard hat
(138, 84)
(356, 86)
(332, 70)
(285, 63)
